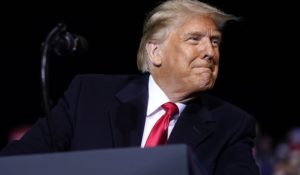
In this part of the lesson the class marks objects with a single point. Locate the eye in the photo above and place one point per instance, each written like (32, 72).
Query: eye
(194, 39)
(216, 42)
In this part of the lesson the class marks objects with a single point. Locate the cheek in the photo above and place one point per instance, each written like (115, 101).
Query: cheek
(215, 69)
(191, 53)
(178, 59)
(185, 58)
(216, 57)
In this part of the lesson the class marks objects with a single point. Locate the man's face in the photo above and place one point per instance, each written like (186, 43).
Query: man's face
(189, 57)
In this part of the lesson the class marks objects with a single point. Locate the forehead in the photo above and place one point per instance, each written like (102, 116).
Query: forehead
(198, 24)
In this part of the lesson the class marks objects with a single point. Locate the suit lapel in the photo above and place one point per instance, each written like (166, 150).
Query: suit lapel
(128, 113)
(194, 125)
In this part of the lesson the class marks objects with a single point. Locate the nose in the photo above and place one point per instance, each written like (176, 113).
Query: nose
(208, 50)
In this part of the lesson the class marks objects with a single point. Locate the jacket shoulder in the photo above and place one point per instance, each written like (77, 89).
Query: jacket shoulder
(104, 78)
(226, 112)
(217, 104)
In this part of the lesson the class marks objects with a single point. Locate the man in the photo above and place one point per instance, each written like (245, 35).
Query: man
(180, 50)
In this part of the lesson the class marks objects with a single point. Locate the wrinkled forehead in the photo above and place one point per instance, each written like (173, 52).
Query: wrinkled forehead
(197, 24)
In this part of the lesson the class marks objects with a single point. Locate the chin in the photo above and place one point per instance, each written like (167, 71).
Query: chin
(207, 81)
(206, 88)
(206, 85)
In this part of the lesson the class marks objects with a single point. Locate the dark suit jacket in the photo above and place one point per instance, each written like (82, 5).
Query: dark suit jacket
(107, 111)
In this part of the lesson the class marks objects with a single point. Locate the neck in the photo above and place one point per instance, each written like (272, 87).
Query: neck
(179, 97)
(173, 92)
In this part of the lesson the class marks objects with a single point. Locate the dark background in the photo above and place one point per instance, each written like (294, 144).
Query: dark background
(250, 55)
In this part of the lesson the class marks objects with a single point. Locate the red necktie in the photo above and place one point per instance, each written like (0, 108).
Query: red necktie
(159, 132)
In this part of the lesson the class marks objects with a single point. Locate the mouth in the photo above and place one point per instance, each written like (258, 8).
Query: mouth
(203, 67)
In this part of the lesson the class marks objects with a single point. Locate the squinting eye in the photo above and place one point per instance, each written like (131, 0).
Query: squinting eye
(195, 38)
(215, 42)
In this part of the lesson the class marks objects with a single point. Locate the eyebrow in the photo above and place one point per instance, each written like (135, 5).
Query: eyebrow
(196, 33)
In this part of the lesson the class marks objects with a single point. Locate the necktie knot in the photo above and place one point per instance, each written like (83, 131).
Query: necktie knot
(170, 108)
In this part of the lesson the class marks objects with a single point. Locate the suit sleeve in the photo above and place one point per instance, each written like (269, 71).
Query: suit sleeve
(237, 157)
(36, 140)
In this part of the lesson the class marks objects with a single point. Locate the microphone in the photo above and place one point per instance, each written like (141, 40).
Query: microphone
(65, 43)
(62, 43)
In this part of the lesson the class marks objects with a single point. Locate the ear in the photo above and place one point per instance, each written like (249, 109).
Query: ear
(153, 50)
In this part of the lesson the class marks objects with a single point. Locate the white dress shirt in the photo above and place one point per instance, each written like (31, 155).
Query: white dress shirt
(154, 111)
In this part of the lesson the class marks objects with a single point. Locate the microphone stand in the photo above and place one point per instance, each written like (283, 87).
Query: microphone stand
(46, 52)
